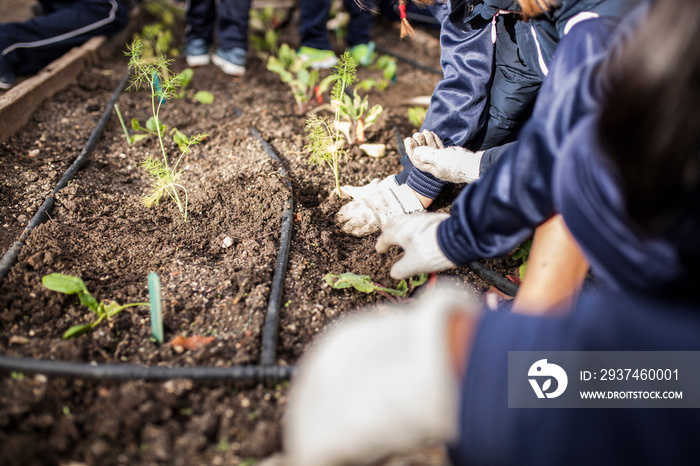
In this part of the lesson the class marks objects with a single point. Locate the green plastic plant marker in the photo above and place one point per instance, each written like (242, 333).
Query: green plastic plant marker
(156, 309)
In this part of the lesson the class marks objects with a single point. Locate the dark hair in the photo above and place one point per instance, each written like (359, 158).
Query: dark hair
(650, 126)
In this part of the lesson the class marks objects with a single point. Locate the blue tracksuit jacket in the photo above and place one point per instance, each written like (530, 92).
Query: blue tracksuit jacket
(557, 166)
(29, 46)
(492, 433)
(493, 65)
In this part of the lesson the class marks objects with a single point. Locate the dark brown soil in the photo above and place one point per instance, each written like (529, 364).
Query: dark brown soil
(100, 231)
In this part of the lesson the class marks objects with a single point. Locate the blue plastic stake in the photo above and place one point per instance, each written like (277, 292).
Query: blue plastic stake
(159, 88)
(156, 308)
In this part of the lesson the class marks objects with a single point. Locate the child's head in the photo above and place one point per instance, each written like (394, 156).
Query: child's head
(651, 125)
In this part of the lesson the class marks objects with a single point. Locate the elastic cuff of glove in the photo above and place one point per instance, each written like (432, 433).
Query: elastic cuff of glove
(424, 183)
(407, 198)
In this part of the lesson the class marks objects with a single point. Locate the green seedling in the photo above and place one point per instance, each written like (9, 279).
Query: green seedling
(357, 115)
(68, 284)
(265, 46)
(265, 18)
(325, 138)
(165, 11)
(157, 39)
(523, 253)
(263, 25)
(365, 284)
(153, 74)
(305, 84)
(416, 115)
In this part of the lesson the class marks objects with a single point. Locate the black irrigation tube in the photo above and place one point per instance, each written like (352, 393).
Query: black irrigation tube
(132, 371)
(481, 270)
(270, 329)
(410, 61)
(42, 214)
(266, 371)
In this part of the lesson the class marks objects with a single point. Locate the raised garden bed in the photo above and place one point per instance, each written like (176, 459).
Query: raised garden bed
(216, 269)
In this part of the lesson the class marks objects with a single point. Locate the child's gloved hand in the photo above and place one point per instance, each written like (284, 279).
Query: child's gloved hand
(376, 384)
(452, 164)
(361, 192)
(365, 216)
(417, 235)
(425, 138)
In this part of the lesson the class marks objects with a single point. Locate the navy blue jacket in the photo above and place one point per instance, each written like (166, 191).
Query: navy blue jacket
(557, 166)
(492, 433)
(488, 88)
(493, 215)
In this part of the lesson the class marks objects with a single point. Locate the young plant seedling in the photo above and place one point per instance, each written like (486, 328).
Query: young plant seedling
(263, 25)
(325, 138)
(266, 45)
(365, 284)
(153, 74)
(304, 83)
(523, 253)
(358, 116)
(416, 115)
(69, 284)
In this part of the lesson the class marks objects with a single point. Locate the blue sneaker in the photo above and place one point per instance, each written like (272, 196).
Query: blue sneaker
(7, 76)
(197, 52)
(231, 61)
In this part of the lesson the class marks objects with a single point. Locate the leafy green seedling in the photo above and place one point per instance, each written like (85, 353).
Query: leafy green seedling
(356, 112)
(265, 46)
(263, 25)
(365, 284)
(204, 97)
(416, 115)
(68, 284)
(523, 253)
(325, 138)
(265, 18)
(305, 84)
(187, 75)
(146, 74)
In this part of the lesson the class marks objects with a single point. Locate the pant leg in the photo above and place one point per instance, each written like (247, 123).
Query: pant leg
(232, 28)
(314, 16)
(361, 22)
(513, 92)
(200, 19)
(33, 44)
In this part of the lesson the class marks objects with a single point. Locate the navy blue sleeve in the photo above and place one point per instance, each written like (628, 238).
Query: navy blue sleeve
(491, 433)
(588, 193)
(493, 215)
(459, 99)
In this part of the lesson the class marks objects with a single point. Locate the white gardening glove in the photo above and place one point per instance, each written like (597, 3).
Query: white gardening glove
(452, 164)
(361, 192)
(425, 138)
(417, 236)
(376, 384)
(363, 217)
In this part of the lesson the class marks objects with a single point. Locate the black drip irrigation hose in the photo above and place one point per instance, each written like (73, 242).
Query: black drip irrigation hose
(481, 270)
(10, 257)
(266, 371)
(270, 329)
(497, 280)
(132, 371)
(414, 63)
